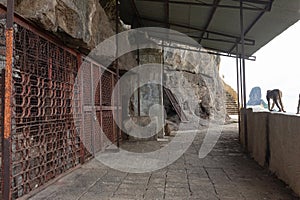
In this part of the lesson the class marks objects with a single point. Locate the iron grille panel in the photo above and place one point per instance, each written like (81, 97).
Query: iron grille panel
(106, 88)
(108, 125)
(97, 132)
(49, 120)
(45, 140)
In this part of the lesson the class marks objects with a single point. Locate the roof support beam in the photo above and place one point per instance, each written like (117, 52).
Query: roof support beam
(196, 48)
(252, 58)
(167, 16)
(197, 29)
(208, 5)
(256, 1)
(136, 12)
(252, 24)
(222, 40)
(211, 15)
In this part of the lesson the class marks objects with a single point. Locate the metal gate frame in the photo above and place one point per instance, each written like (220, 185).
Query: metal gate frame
(97, 84)
(21, 172)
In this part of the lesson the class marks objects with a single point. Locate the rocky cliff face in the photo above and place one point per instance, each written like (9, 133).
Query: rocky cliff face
(194, 80)
(84, 24)
(195, 74)
(79, 23)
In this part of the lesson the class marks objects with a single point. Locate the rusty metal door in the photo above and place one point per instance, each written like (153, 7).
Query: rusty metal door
(108, 125)
(87, 107)
(100, 129)
(95, 96)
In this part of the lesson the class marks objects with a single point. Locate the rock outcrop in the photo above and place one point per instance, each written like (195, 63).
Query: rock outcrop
(81, 24)
(189, 74)
(194, 80)
(85, 24)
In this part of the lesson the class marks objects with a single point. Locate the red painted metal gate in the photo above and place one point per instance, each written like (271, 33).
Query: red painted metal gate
(97, 85)
(53, 115)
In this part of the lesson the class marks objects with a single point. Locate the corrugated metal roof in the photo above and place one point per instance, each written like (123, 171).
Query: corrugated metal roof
(215, 24)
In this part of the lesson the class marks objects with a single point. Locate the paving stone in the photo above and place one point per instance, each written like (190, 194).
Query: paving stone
(154, 193)
(125, 197)
(101, 187)
(156, 182)
(91, 195)
(138, 187)
(224, 174)
(130, 192)
(177, 184)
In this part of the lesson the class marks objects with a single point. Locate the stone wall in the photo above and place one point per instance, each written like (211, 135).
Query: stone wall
(273, 141)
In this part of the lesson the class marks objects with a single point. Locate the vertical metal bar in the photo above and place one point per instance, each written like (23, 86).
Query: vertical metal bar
(241, 82)
(244, 74)
(238, 90)
(80, 82)
(114, 109)
(100, 111)
(243, 51)
(118, 71)
(93, 111)
(162, 91)
(7, 119)
(139, 97)
(10, 14)
(139, 90)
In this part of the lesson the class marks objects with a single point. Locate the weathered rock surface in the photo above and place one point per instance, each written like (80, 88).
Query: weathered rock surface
(80, 24)
(84, 24)
(194, 78)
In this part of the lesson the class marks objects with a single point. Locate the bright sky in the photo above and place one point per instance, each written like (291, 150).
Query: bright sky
(277, 66)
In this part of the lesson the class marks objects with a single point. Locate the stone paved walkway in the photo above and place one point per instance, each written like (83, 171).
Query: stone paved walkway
(225, 174)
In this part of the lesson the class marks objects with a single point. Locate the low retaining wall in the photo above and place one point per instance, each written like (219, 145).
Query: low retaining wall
(273, 140)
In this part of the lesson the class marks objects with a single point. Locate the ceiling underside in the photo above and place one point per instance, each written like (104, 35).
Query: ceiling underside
(215, 24)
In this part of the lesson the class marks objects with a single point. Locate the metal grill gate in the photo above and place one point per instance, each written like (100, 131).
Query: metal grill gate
(52, 113)
(97, 85)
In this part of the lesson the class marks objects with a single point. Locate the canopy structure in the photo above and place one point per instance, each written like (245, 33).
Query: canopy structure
(215, 24)
(236, 28)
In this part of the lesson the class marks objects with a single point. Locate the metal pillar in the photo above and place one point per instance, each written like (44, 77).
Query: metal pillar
(162, 92)
(7, 119)
(241, 82)
(80, 83)
(138, 81)
(94, 114)
(118, 71)
(238, 90)
(243, 72)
